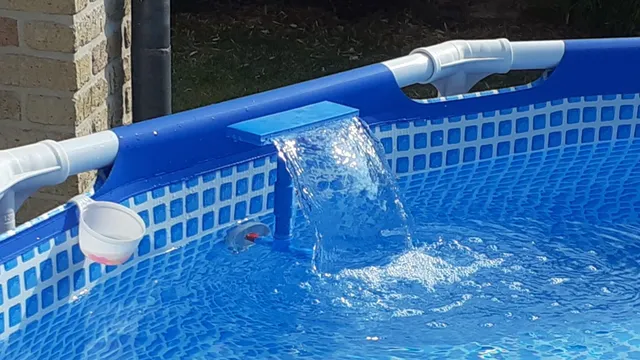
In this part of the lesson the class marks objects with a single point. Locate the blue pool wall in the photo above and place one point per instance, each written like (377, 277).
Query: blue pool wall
(189, 182)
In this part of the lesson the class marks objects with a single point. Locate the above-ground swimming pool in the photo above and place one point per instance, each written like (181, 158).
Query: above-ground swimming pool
(501, 224)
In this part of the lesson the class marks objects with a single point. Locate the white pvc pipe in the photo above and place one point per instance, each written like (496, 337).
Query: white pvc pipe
(455, 65)
(25, 169)
(91, 152)
(536, 55)
(410, 69)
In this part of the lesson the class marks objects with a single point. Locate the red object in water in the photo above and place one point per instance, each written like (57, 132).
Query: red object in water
(105, 261)
(252, 237)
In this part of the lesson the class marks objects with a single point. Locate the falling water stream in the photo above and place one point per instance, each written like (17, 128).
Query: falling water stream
(347, 194)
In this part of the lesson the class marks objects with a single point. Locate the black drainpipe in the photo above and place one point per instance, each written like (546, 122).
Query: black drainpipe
(150, 58)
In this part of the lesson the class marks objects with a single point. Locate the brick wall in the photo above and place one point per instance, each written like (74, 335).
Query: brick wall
(64, 72)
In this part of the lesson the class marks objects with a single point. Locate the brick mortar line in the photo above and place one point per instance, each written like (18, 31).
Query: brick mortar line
(102, 75)
(72, 97)
(87, 48)
(23, 94)
(92, 116)
(94, 113)
(88, 9)
(92, 81)
(37, 91)
(77, 20)
(84, 50)
(110, 28)
(26, 125)
(37, 16)
(26, 51)
(68, 20)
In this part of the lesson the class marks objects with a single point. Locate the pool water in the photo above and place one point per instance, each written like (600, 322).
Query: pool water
(534, 256)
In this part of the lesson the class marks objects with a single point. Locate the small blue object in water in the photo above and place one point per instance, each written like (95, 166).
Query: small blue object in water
(262, 130)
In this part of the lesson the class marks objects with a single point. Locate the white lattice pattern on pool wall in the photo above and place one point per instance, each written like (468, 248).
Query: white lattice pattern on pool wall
(56, 272)
(590, 183)
(422, 145)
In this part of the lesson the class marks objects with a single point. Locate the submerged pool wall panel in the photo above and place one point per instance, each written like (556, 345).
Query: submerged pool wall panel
(201, 208)
(190, 182)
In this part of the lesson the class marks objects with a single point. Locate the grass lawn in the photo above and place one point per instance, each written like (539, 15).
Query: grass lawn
(232, 51)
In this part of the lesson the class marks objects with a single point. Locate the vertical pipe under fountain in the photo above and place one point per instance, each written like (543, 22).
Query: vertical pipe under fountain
(283, 207)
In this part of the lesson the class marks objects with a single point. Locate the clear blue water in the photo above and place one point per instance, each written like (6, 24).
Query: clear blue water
(528, 257)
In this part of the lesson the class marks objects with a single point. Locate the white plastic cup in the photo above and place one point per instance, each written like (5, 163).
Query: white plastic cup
(109, 233)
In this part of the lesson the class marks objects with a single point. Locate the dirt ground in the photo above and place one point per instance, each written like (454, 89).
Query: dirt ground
(227, 51)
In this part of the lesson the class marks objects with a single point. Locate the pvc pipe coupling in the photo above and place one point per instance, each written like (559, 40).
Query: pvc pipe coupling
(454, 67)
(25, 169)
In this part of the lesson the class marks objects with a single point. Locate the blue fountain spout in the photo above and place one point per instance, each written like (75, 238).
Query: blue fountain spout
(263, 130)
